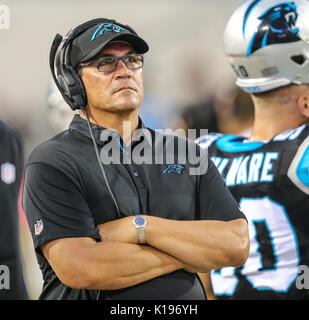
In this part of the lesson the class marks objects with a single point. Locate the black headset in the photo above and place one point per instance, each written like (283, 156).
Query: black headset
(66, 78)
(70, 83)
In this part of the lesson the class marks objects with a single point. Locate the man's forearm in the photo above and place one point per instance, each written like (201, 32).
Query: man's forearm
(85, 264)
(200, 245)
(204, 245)
(130, 264)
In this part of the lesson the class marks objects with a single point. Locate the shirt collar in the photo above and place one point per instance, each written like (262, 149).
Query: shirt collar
(79, 124)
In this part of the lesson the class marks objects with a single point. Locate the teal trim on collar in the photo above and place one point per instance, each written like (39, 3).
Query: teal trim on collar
(231, 143)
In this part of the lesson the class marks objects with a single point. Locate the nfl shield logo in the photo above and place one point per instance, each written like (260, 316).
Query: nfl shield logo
(38, 227)
(8, 173)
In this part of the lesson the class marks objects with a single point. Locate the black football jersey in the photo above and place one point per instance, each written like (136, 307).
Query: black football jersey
(270, 181)
(12, 284)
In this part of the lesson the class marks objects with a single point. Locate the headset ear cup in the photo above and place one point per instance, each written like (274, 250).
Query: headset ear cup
(82, 90)
(82, 87)
(77, 91)
(63, 85)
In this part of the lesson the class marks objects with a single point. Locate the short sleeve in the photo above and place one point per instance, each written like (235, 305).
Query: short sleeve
(215, 200)
(54, 206)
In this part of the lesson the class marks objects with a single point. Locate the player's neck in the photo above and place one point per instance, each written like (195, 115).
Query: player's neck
(124, 123)
(269, 122)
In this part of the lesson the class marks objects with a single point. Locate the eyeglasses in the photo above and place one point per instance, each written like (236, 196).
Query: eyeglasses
(110, 63)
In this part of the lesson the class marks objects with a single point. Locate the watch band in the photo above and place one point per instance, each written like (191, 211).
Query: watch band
(141, 235)
(140, 224)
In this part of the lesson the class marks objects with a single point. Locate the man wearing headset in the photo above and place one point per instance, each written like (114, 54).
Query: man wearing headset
(144, 231)
(267, 44)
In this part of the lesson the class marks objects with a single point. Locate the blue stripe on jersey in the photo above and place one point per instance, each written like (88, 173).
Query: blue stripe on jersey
(228, 144)
(302, 170)
(299, 168)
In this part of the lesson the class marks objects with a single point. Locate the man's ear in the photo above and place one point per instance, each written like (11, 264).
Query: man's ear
(303, 104)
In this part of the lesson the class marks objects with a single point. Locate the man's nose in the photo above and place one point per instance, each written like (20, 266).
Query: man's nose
(122, 70)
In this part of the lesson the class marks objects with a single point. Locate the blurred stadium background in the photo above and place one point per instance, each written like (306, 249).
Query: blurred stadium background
(188, 82)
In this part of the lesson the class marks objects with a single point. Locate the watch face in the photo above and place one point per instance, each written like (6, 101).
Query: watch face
(139, 221)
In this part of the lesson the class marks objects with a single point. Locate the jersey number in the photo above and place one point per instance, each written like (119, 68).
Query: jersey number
(273, 259)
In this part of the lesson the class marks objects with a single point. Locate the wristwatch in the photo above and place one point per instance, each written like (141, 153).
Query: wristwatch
(140, 224)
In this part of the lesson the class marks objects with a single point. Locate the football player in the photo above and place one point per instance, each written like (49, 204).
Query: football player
(267, 45)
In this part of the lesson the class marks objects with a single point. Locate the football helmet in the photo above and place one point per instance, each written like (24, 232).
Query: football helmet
(267, 44)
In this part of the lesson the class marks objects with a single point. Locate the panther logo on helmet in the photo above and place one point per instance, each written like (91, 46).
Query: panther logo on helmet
(278, 26)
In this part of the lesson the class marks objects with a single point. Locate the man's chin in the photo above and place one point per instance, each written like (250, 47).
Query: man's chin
(127, 105)
(120, 109)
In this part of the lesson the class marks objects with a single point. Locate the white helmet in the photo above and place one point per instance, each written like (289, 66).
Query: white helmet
(267, 44)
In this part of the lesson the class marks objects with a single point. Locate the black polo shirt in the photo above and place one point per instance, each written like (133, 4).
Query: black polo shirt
(11, 168)
(65, 195)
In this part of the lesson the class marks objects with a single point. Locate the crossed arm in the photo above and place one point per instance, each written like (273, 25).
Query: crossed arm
(119, 262)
